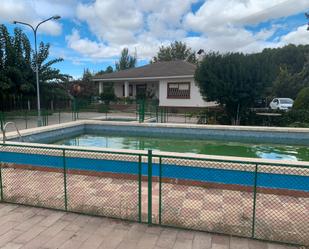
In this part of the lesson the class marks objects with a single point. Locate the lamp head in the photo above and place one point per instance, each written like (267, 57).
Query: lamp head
(56, 17)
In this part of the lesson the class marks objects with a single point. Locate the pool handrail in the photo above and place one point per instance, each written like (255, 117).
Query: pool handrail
(4, 130)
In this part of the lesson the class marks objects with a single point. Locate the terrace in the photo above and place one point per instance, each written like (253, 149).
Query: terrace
(29, 227)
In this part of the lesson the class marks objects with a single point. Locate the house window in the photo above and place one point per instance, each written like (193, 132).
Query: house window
(178, 90)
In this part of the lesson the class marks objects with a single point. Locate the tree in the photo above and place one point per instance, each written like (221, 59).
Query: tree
(288, 84)
(302, 100)
(87, 75)
(108, 95)
(284, 85)
(17, 67)
(46, 71)
(126, 61)
(109, 69)
(175, 51)
(233, 80)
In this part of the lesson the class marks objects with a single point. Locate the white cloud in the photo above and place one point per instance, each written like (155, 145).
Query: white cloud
(214, 14)
(281, 9)
(111, 20)
(89, 48)
(144, 25)
(98, 51)
(140, 25)
(223, 21)
(37, 10)
(298, 36)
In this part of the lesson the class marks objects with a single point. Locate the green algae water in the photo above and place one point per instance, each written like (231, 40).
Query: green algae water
(207, 147)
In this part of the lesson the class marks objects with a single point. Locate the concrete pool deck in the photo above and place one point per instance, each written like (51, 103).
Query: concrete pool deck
(36, 228)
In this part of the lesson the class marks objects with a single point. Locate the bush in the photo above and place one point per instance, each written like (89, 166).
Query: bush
(108, 96)
(299, 124)
(302, 100)
(295, 116)
(213, 116)
(102, 108)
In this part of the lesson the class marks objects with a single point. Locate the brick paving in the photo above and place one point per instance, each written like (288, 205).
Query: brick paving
(28, 227)
(279, 218)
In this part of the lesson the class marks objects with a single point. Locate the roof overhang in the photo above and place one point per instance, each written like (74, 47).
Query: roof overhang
(145, 78)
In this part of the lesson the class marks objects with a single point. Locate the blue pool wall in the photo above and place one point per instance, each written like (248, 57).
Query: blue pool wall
(171, 171)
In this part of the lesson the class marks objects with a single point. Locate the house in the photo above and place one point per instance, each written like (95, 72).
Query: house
(171, 82)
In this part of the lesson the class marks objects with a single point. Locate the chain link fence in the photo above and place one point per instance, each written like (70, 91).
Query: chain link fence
(244, 198)
(82, 181)
(267, 202)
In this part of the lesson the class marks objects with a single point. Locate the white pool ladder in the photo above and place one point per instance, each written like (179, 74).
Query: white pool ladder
(4, 130)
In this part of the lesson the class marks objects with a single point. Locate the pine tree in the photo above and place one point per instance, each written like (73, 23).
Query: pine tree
(126, 60)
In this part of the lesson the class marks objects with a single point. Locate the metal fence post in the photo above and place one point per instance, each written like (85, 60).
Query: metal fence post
(2, 120)
(139, 188)
(160, 189)
(149, 187)
(1, 184)
(254, 201)
(65, 181)
(26, 119)
(157, 114)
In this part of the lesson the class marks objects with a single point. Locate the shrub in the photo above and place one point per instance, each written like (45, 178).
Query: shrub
(302, 100)
(108, 96)
(295, 116)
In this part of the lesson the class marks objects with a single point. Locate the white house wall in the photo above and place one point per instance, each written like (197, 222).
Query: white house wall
(195, 100)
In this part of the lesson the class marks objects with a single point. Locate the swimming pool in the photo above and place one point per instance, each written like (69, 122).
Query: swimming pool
(197, 177)
(185, 145)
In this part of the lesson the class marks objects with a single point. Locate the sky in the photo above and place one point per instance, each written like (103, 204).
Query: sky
(92, 33)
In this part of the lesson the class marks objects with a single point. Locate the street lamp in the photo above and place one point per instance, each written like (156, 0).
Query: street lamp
(36, 61)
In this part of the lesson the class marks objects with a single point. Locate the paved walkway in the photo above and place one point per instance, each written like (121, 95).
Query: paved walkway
(27, 227)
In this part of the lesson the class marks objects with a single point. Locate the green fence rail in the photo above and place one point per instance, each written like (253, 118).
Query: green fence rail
(251, 199)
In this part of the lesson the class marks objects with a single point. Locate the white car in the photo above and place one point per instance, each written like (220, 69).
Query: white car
(281, 104)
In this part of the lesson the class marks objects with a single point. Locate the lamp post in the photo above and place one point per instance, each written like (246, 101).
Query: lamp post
(34, 29)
